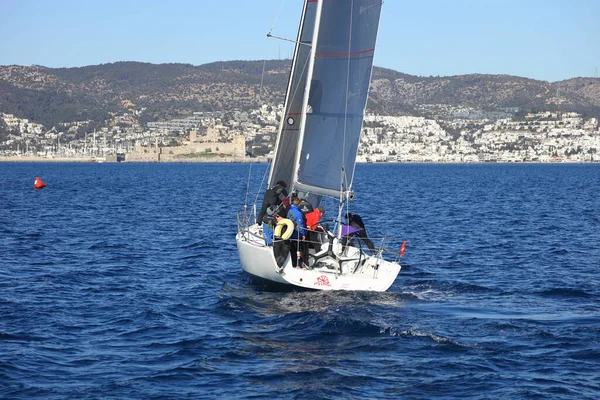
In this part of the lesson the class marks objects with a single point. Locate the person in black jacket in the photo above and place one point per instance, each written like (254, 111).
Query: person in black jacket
(273, 198)
(356, 221)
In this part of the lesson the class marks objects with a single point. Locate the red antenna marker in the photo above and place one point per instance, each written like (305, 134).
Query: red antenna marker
(38, 183)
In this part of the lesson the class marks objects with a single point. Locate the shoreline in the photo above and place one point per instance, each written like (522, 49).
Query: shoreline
(102, 160)
(262, 160)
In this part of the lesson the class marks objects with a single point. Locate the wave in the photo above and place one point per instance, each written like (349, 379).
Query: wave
(418, 333)
(564, 292)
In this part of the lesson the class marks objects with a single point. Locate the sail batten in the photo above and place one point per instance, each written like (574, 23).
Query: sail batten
(347, 54)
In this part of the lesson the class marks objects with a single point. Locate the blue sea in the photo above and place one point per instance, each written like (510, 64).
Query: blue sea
(122, 281)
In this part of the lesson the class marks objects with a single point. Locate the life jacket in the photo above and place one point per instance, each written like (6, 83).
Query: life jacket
(298, 218)
(312, 219)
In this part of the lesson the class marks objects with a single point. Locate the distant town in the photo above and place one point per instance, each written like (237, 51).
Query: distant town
(453, 135)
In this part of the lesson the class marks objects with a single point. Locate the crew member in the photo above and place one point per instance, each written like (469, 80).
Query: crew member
(273, 198)
(268, 223)
(312, 224)
(296, 243)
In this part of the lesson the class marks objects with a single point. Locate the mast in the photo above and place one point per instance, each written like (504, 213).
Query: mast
(311, 66)
(288, 94)
(339, 74)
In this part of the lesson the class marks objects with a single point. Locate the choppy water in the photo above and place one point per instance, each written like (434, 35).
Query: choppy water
(123, 281)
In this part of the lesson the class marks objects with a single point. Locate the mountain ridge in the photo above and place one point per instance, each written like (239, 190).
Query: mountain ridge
(52, 95)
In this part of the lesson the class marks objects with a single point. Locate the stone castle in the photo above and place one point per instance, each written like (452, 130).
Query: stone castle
(210, 147)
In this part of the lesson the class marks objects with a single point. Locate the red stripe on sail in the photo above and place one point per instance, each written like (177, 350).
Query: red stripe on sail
(353, 53)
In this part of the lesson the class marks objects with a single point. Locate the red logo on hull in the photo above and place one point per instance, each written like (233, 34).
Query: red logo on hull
(322, 281)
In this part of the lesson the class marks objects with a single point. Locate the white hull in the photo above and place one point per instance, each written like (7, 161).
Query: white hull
(358, 270)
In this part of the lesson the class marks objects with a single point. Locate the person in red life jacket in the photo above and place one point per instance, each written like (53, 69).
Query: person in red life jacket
(356, 221)
(273, 198)
(312, 224)
(296, 243)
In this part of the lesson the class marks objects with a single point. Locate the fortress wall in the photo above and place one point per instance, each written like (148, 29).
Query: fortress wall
(235, 149)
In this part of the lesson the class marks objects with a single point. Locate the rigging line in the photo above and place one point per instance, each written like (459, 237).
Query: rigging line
(297, 86)
(248, 185)
(261, 184)
(276, 16)
(269, 35)
(345, 201)
(340, 208)
(294, 89)
(290, 99)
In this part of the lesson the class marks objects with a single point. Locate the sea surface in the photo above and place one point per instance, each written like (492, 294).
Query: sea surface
(122, 281)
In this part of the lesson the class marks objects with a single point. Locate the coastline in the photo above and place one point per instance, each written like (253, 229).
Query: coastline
(225, 160)
(113, 160)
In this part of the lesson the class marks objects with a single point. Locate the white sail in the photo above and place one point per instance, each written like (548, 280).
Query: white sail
(327, 96)
(289, 131)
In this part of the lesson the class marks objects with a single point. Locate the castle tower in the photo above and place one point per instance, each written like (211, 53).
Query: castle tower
(239, 143)
(212, 135)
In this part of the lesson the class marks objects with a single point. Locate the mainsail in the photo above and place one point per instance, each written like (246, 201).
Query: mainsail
(327, 95)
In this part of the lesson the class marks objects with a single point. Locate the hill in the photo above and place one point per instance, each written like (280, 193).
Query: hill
(52, 95)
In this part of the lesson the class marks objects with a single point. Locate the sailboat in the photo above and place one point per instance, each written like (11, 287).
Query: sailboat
(317, 145)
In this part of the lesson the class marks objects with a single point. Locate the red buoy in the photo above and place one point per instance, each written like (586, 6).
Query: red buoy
(38, 183)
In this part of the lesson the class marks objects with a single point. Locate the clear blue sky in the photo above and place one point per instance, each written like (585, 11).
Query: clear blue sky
(541, 39)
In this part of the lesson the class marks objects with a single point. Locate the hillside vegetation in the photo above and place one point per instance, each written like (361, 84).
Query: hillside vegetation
(52, 95)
